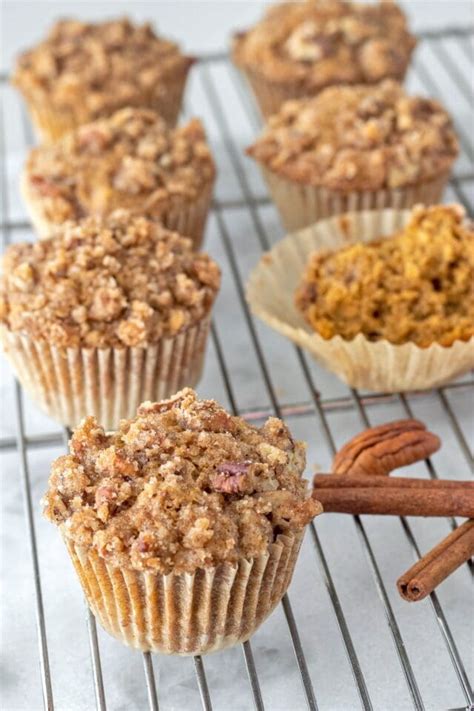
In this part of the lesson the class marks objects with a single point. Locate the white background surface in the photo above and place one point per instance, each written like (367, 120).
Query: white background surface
(205, 26)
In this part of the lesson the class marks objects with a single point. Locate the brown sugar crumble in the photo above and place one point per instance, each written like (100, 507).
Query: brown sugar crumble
(95, 69)
(182, 485)
(314, 44)
(106, 282)
(358, 138)
(416, 286)
(131, 160)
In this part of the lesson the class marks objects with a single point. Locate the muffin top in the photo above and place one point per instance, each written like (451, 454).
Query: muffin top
(130, 160)
(416, 286)
(118, 281)
(320, 42)
(99, 67)
(182, 485)
(358, 138)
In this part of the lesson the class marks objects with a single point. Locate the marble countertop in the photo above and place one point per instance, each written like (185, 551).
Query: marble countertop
(345, 550)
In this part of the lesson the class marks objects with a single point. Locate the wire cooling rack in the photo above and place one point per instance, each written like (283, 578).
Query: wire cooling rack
(342, 639)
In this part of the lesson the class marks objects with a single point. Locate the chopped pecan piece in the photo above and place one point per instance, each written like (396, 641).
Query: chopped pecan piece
(231, 477)
(379, 450)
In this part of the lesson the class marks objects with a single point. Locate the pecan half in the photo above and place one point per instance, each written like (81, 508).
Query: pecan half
(230, 478)
(381, 449)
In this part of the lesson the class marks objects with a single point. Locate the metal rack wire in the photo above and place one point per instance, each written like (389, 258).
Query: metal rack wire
(315, 407)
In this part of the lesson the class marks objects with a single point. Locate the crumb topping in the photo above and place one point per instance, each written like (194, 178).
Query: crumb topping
(362, 138)
(315, 44)
(118, 281)
(182, 485)
(416, 286)
(130, 160)
(97, 68)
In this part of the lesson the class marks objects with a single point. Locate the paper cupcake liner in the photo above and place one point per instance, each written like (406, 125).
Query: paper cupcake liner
(378, 366)
(188, 218)
(301, 205)
(109, 383)
(50, 123)
(187, 613)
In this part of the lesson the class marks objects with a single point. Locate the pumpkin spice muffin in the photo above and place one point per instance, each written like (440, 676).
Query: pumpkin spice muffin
(184, 525)
(353, 148)
(131, 160)
(84, 71)
(299, 48)
(109, 312)
(416, 286)
(382, 298)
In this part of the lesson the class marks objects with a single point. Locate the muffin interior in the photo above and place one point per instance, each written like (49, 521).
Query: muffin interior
(415, 286)
(182, 485)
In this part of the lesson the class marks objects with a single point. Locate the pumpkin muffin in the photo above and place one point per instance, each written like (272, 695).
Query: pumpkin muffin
(131, 160)
(106, 314)
(382, 298)
(85, 71)
(355, 148)
(300, 48)
(184, 525)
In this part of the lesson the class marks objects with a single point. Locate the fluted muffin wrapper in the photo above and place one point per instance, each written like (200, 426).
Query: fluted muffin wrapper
(109, 383)
(379, 366)
(300, 205)
(186, 613)
(188, 217)
(270, 95)
(51, 122)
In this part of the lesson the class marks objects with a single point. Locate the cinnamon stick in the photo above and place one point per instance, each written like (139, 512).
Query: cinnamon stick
(399, 496)
(438, 564)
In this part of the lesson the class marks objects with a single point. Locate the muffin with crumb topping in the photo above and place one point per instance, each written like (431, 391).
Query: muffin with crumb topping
(85, 71)
(131, 160)
(300, 48)
(183, 525)
(355, 148)
(108, 313)
(382, 298)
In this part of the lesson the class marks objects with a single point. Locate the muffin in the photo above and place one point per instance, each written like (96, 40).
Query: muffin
(300, 48)
(184, 525)
(384, 299)
(108, 313)
(355, 148)
(131, 160)
(84, 71)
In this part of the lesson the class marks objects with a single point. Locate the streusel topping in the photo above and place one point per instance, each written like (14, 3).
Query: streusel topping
(416, 286)
(182, 485)
(320, 42)
(119, 281)
(358, 138)
(97, 68)
(129, 160)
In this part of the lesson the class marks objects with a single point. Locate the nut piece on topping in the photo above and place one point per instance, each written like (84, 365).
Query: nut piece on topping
(113, 282)
(182, 485)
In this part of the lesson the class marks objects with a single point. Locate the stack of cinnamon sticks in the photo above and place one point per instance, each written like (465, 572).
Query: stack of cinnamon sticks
(363, 489)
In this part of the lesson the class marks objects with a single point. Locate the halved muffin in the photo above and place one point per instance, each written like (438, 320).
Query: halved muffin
(85, 71)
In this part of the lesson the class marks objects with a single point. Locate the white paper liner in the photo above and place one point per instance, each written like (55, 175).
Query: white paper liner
(301, 205)
(188, 218)
(377, 366)
(187, 613)
(109, 383)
